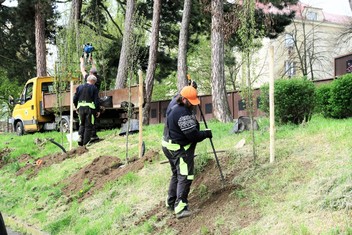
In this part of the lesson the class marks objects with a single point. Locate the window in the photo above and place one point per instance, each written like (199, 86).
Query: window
(289, 40)
(311, 15)
(153, 113)
(47, 87)
(258, 102)
(208, 108)
(28, 92)
(241, 105)
(290, 68)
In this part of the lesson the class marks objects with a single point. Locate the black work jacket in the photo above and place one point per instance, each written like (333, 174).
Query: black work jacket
(182, 126)
(86, 93)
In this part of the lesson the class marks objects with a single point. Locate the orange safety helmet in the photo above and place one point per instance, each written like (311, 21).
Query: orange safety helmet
(190, 93)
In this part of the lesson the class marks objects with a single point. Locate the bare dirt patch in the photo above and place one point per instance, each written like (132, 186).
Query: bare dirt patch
(33, 166)
(103, 169)
(212, 206)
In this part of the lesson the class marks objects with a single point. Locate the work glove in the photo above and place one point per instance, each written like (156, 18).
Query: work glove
(102, 109)
(194, 84)
(208, 133)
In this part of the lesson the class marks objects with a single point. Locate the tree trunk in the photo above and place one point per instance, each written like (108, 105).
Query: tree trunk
(40, 40)
(126, 47)
(221, 109)
(75, 16)
(75, 11)
(182, 46)
(153, 50)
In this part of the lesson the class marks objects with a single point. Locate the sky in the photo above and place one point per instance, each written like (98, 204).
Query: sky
(340, 7)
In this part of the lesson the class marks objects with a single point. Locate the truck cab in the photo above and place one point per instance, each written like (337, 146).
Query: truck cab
(29, 114)
(41, 108)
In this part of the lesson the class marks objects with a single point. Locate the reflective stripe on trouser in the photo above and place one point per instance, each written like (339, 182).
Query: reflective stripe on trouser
(182, 167)
(85, 104)
(174, 147)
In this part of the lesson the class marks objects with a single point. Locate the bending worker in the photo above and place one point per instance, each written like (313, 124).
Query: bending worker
(181, 135)
(86, 102)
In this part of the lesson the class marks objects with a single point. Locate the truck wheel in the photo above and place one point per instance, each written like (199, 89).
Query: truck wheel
(19, 128)
(64, 126)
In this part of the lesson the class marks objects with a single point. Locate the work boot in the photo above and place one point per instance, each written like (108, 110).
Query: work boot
(80, 141)
(94, 138)
(170, 208)
(183, 214)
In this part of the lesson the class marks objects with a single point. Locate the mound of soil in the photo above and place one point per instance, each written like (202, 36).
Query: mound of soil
(210, 198)
(34, 166)
(103, 169)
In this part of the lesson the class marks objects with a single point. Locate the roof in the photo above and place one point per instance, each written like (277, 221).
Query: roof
(301, 9)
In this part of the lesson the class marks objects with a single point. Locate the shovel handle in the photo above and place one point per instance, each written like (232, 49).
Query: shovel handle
(212, 145)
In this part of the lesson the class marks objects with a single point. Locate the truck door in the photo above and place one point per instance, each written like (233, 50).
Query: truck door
(46, 88)
(26, 111)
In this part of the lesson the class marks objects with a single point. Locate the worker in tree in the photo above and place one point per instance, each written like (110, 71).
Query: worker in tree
(92, 71)
(181, 135)
(86, 101)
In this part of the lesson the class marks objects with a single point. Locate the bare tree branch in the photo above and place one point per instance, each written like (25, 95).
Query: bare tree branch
(104, 34)
(112, 20)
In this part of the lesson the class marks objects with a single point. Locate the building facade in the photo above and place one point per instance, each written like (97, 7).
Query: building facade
(307, 47)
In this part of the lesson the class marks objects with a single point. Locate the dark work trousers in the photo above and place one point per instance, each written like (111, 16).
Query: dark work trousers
(2, 226)
(86, 122)
(94, 129)
(182, 167)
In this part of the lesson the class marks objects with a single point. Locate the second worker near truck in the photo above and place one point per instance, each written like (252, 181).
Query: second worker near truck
(85, 74)
(86, 101)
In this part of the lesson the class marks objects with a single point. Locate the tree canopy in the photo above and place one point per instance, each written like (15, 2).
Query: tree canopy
(17, 46)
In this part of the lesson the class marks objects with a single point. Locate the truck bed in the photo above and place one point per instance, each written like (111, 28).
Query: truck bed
(50, 102)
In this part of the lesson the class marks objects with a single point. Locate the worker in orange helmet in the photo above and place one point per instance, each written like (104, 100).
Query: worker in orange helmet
(181, 135)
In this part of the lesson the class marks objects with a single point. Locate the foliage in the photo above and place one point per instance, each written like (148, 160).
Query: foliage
(199, 65)
(265, 24)
(322, 96)
(7, 88)
(17, 44)
(171, 17)
(165, 90)
(341, 97)
(335, 99)
(294, 100)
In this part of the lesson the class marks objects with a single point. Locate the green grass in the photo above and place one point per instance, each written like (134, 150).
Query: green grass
(307, 190)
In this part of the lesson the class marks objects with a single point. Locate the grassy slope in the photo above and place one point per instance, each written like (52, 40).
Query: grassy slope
(308, 190)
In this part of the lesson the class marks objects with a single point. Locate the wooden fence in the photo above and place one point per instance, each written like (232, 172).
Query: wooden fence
(237, 107)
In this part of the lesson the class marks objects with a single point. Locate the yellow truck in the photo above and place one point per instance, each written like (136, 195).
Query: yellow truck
(40, 108)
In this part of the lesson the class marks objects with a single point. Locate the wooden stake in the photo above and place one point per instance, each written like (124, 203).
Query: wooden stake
(140, 144)
(71, 112)
(271, 104)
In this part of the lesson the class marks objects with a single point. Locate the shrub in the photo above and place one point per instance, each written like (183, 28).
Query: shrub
(294, 100)
(341, 97)
(322, 97)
